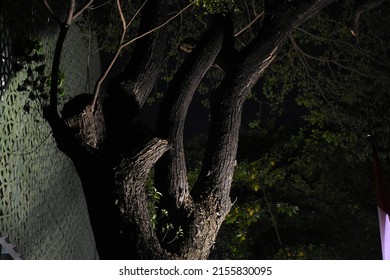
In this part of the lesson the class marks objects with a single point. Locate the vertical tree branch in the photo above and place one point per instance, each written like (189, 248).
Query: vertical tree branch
(131, 175)
(56, 68)
(51, 11)
(142, 71)
(69, 17)
(171, 173)
(227, 102)
(64, 27)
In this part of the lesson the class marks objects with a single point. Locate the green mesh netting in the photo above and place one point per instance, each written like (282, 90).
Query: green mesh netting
(42, 206)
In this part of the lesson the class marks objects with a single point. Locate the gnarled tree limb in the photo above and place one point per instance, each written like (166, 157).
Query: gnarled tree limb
(171, 173)
(131, 174)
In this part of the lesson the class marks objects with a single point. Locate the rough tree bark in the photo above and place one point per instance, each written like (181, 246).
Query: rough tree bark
(115, 164)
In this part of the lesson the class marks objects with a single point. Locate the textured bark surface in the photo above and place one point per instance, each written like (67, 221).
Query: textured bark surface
(88, 126)
(143, 70)
(114, 161)
(171, 173)
(130, 177)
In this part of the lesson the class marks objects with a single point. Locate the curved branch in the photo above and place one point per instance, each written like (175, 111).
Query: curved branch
(69, 16)
(122, 16)
(142, 71)
(360, 8)
(51, 11)
(64, 27)
(250, 24)
(160, 26)
(171, 173)
(130, 176)
(82, 9)
(226, 103)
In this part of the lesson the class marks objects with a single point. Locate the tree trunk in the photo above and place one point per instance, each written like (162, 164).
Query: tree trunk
(114, 162)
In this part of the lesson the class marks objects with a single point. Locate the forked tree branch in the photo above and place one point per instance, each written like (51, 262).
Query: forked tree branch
(160, 26)
(226, 103)
(171, 173)
(125, 27)
(122, 44)
(131, 175)
(72, 7)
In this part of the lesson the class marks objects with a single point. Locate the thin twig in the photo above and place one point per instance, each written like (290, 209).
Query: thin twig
(160, 26)
(311, 34)
(69, 17)
(122, 45)
(56, 18)
(250, 24)
(34, 149)
(136, 14)
(88, 81)
(324, 60)
(272, 218)
(254, 8)
(82, 9)
(123, 20)
(103, 77)
(101, 5)
(49, 7)
(305, 64)
(125, 26)
(360, 50)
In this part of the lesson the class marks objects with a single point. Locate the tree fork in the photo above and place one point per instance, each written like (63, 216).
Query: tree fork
(171, 174)
(130, 176)
(142, 71)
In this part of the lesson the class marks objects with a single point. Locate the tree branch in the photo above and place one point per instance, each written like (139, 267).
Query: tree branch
(125, 27)
(250, 24)
(56, 68)
(142, 71)
(131, 175)
(64, 27)
(360, 8)
(305, 64)
(226, 103)
(81, 10)
(136, 14)
(56, 18)
(69, 17)
(171, 173)
(324, 60)
(160, 26)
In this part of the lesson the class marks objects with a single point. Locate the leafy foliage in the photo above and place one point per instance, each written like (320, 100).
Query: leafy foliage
(159, 216)
(304, 186)
(217, 6)
(31, 61)
(343, 84)
(301, 201)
